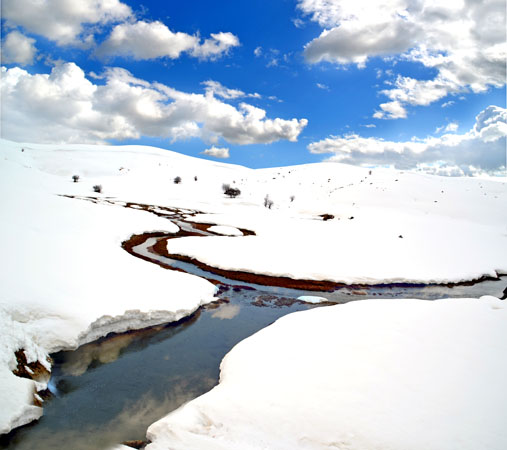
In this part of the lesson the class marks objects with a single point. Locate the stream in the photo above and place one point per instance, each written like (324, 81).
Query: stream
(111, 390)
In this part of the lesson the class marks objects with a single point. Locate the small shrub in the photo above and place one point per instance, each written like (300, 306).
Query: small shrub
(225, 187)
(292, 197)
(195, 178)
(177, 180)
(232, 192)
(97, 188)
(75, 178)
(268, 203)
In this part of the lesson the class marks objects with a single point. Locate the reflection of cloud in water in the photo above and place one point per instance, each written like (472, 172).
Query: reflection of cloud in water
(103, 351)
(226, 312)
(130, 424)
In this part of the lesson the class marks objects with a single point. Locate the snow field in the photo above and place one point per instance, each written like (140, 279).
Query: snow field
(66, 280)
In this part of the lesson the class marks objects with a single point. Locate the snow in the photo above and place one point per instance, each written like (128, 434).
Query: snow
(66, 280)
(312, 299)
(367, 375)
(225, 230)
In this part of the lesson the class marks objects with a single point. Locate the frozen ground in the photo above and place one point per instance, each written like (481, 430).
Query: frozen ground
(66, 281)
(367, 375)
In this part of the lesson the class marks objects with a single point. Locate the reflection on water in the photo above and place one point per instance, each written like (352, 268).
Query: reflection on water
(111, 390)
(131, 420)
(103, 352)
(226, 312)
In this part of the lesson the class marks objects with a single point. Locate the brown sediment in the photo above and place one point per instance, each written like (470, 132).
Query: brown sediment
(265, 280)
(33, 371)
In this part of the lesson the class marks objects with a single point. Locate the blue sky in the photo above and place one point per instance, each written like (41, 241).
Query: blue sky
(393, 82)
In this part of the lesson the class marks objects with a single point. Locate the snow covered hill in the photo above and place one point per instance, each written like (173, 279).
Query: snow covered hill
(65, 279)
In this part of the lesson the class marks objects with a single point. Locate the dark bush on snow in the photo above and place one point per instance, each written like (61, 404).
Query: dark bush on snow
(97, 188)
(232, 192)
(177, 180)
(75, 178)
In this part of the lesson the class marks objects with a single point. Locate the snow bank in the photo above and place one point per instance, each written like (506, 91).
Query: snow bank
(225, 230)
(409, 249)
(367, 375)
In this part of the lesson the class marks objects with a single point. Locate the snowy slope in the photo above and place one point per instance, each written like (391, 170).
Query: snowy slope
(367, 375)
(387, 227)
(65, 280)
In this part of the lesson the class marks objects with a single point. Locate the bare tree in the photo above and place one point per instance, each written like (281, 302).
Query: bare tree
(268, 203)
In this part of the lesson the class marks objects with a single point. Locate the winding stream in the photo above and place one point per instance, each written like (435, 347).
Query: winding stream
(111, 390)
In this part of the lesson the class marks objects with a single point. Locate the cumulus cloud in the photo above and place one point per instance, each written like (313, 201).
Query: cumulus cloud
(63, 21)
(217, 45)
(463, 40)
(481, 149)
(217, 152)
(146, 40)
(149, 40)
(64, 106)
(18, 49)
(391, 110)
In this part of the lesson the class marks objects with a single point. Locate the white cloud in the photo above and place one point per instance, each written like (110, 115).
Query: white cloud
(216, 46)
(219, 90)
(322, 86)
(481, 149)
(217, 152)
(146, 40)
(370, 125)
(149, 40)
(450, 127)
(18, 49)
(298, 23)
(63, 21)
(447, 104)
(258, 51)
(463, 40)
(64, 106)
(391, 110)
